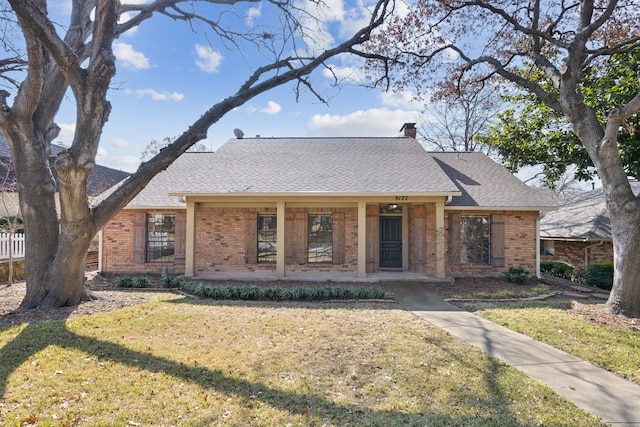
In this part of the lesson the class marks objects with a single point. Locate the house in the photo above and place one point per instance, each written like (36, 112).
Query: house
(579, 232)
(349, 206)
(100, 179)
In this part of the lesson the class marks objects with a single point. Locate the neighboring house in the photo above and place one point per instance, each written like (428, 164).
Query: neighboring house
(100, 179)
(351, 206)
(579, 232)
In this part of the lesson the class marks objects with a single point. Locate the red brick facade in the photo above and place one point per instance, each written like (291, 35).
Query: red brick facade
(224, 243)
(573, 252)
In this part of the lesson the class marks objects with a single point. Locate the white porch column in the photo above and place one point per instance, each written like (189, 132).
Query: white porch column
(280, 239)
(362, 239)
(440, 241)
(190, 241)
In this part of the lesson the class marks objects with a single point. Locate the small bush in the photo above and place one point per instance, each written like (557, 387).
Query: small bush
(133, 282)
(560, 269)
(599, 275)
(516, 275)
(140, 282)
(125, 282)
(173, 282)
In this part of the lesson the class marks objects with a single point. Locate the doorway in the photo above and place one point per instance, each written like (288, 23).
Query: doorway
(391, 242)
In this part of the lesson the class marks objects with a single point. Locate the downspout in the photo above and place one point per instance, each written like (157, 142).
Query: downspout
(586, 252)
(540, 216)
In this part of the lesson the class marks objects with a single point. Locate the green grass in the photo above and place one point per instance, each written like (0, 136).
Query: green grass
(614, 349)
(210, 363)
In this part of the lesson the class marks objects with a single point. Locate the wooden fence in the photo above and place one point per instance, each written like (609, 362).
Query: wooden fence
(16, 248)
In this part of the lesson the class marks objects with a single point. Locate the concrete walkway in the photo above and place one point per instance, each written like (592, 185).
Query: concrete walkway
(615, 400)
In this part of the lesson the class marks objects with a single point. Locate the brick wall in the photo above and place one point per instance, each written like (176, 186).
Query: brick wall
(221, 242)
(118, 246)
(573, 252)
(519, 245)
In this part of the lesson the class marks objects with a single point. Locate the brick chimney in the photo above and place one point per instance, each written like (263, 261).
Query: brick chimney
(410, 130)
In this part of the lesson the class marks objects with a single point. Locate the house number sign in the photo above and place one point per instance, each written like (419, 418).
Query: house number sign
(401, 197)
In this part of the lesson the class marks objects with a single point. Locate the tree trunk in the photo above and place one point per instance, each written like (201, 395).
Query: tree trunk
(625, 294)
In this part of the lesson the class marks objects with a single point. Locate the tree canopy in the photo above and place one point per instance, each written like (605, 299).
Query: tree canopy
(557, 52)
(531, 133)
(76, 59)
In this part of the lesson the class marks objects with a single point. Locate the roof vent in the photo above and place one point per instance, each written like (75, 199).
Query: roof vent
(238, 133)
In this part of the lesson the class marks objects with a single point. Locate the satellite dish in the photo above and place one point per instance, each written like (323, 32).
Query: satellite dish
(238, 133)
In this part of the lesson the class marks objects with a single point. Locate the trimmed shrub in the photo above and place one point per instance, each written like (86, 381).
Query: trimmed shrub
(599, 275)
(125, 282)
(560, 269)
(516, 275)
(133, 282)
(256, 293)
(173, 282)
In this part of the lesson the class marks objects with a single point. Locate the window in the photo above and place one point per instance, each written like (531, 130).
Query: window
(160, 237)
(476, 238)
(320, 233)
(547, 247)
(267, 235)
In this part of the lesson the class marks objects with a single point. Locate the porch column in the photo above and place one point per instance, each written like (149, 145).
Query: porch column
(440, 241)
(190, 241)
(362, 239)
(280, 249)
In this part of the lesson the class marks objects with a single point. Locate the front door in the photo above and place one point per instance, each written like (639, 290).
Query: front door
(390, 242)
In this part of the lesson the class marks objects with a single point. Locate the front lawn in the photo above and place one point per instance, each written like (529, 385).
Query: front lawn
(174, 361)
(558, 324)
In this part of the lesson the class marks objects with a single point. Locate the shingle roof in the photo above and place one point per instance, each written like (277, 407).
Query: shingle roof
(338, 166)
(583, 217)
(485, 183)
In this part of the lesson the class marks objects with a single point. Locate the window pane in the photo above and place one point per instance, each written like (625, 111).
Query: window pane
(320, 249)
(476, 238)
(160, 237)
(267, 235)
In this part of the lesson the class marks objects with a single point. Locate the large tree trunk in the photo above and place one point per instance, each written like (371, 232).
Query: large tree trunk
(625, 295)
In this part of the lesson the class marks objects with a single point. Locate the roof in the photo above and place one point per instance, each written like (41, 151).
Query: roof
(100, 179)
(584, 216)
(485, 183)
(338, 166)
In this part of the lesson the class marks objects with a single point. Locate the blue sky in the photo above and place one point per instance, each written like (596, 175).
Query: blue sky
(167, 76)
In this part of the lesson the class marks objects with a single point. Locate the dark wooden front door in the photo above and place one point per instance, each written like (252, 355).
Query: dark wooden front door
(390, 242)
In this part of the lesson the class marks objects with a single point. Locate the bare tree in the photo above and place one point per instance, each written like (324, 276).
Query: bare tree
(456, 117)
(81, 59)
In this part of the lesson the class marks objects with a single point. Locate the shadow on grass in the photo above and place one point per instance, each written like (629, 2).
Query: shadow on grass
(389, 304)
(36, 337)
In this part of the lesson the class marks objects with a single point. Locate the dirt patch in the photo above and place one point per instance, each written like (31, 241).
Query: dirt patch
(113, 298)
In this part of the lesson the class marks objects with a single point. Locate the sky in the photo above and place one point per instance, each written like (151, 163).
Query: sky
(168, 75)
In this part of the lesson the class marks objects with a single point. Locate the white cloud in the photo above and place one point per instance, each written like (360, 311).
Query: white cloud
(126, 54)
(209, 61)
(373, 122)
(126, 163)
(402, 99)
(101, 153)
(272, 108)
(154, 95)
(67, 131)
(345, 74)
(120, 142)
(253, 13)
